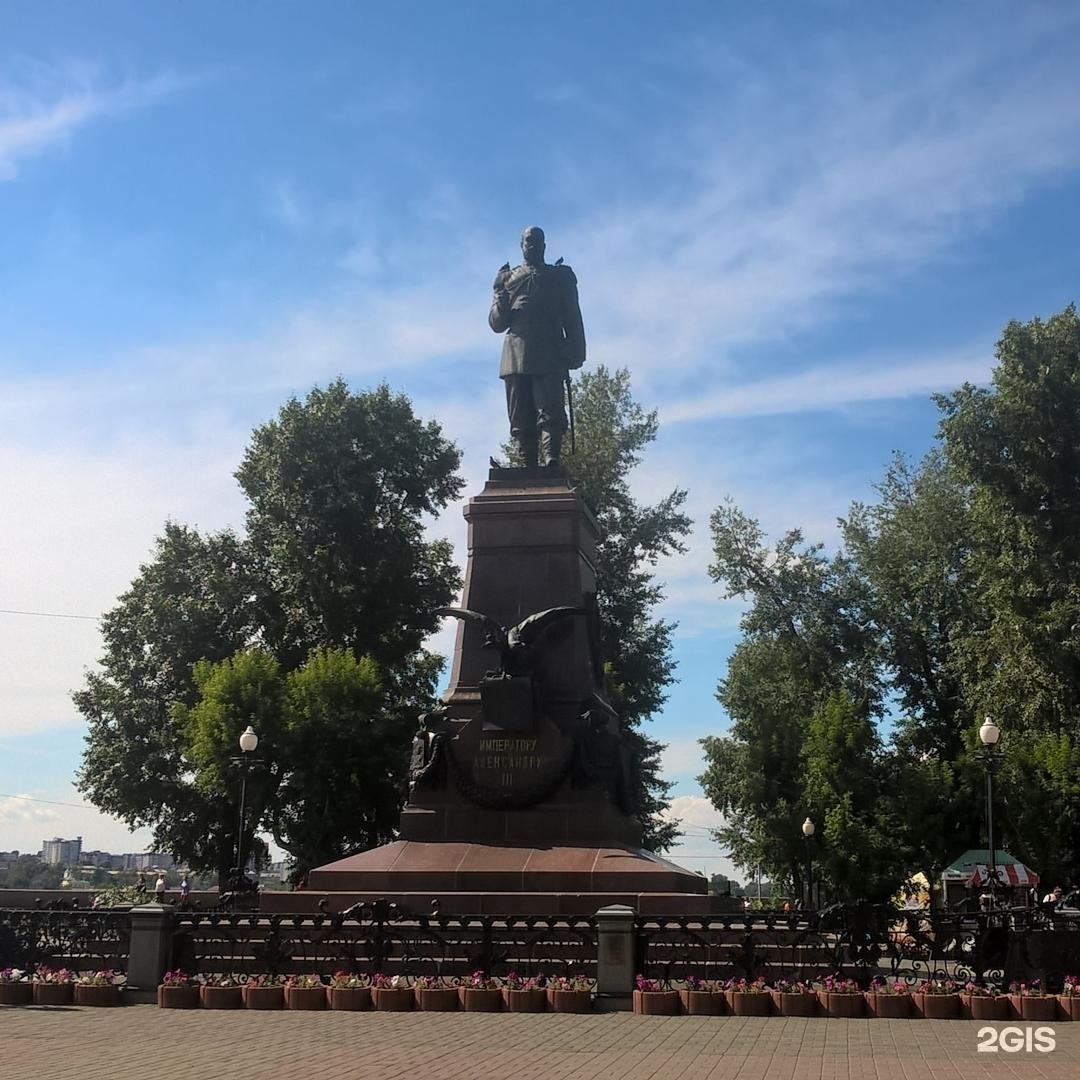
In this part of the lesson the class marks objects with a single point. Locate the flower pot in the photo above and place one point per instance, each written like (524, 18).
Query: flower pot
(97, 996)
(1068, 1007)
(845, 1005)
(570, 1001)
(305, 998)
(656, 1002)
(527, 1001)
(937, 1006)
(16, 993)
(981, 1007)
(393, 998)
(178, 997)
(473, 1000)
(702, 1003)
(221, 997)
(796, 1004)
(264, 997)
(1040, 1009)
(349, 998)
(47, 993)
(437, 999)
(888, 1006)
(752, 1004)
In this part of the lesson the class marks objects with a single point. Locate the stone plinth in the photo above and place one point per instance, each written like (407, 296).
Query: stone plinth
(520, 801)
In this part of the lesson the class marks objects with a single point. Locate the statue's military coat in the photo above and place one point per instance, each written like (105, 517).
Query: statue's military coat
(538, 307)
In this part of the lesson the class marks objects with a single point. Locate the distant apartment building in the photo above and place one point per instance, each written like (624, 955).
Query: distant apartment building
(7, 859)
(57, 852)
(105, 860)
(149, 860)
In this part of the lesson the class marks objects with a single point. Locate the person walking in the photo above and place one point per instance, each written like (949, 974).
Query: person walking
(159, 887)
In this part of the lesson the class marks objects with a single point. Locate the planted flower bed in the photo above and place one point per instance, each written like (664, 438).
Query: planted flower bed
(99, 989)
(480, 993)
(888, 1000)
(1031, 1002)
(16, 987)
(937, 999)
(703, 997)
(305, 993)
(523, 993)
(54, 986)
(349, 992)
(793, 997)
(1069, 998)
(978, 1002)
(178, 990)
(748, 997)
(652, 999)
(569, 994)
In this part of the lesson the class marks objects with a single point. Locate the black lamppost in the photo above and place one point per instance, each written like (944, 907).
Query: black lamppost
(808, 832)
(990, 756)
(248, 743)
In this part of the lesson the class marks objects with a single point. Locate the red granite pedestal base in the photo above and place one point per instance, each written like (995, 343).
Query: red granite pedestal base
(487, 879)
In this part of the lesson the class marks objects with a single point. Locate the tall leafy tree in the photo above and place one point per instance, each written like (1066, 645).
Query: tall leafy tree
(613, 432)
(334, 556)
(1017, 445)
(806, 636)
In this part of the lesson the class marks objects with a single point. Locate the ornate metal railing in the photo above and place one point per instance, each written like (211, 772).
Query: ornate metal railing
(80, 940)
(861, 941)
(382, 938)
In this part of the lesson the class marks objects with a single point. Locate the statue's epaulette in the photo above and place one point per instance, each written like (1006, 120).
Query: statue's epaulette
(566, 271)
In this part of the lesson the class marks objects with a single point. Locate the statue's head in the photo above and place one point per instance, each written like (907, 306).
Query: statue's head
(532, 245)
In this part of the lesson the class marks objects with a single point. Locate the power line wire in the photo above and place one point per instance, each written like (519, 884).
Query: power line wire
(49, 614)
(51, 802)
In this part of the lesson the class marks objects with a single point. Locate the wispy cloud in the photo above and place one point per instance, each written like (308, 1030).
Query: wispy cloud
(877, 378)
(43, 106)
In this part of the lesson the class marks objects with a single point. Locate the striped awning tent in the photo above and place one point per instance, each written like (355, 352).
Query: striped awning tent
(1011, 874)
(973, 870)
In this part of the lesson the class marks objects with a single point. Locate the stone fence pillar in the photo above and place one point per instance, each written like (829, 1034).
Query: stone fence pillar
(615, 957)
(150, 950)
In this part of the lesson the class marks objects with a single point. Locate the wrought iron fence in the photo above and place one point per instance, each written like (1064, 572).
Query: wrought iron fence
(861, 942)
(381, 938)
(79, 940)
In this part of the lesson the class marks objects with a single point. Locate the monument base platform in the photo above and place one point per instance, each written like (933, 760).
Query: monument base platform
(492, 879)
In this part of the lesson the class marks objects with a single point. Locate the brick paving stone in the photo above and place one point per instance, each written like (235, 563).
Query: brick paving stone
(141, 1042)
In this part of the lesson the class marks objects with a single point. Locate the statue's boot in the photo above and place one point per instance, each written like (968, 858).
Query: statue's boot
(528, 450)
(550, 448)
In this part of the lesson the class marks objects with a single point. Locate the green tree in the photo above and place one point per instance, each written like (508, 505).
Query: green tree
(1017, 445)
(613, 431)
(325, 736)
(29, 872)
(858, 848)
(913, 549)
(334, 556)
(806, 636)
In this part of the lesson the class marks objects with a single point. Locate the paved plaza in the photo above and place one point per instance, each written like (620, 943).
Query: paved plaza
(144, 1043)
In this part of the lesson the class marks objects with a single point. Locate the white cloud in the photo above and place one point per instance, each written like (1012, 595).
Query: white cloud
(48, 105)
(694, 810)
(872, 379)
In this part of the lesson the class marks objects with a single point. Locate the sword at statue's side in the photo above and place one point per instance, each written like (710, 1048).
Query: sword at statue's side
(570, 409)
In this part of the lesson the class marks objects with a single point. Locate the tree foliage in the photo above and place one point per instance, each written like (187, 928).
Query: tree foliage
(954, 595)
(333, 558)
(612, 433)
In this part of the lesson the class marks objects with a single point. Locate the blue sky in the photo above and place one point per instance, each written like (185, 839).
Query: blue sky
(793, 223)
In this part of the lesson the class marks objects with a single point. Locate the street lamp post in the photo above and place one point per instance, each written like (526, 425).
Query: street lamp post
(248, 743)
(808, 833)
(990, 756)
